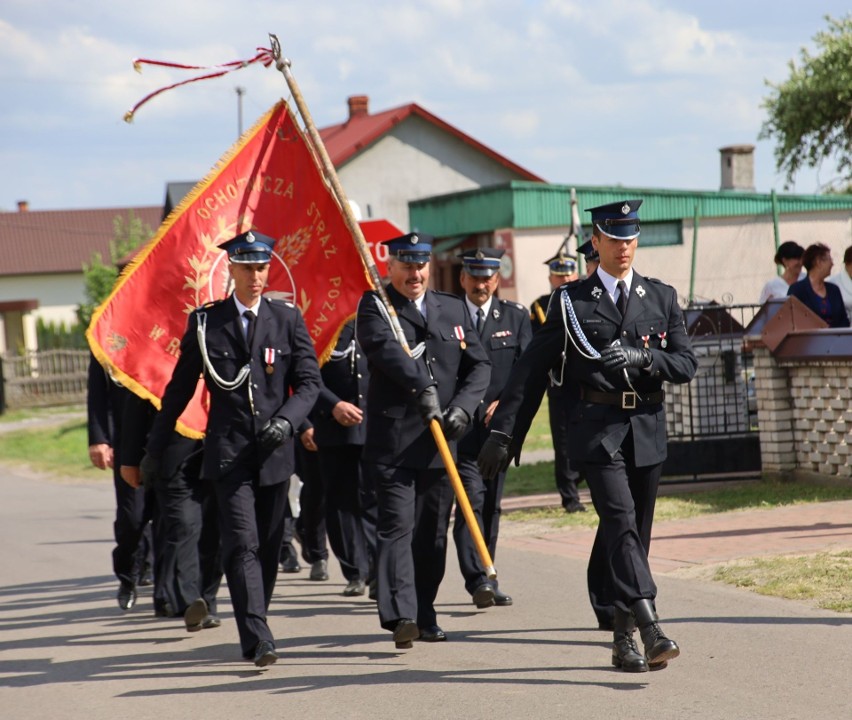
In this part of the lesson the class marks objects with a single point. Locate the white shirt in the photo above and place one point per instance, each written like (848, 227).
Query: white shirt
(473, 309)
(611, 283)
(241, 309)
(776, 288)
(844, 282)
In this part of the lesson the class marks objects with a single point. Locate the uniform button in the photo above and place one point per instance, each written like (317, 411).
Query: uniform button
(360, 397)
(624, 333)
(433, 360)
(254, 385)
(257, 412)
(360, 376)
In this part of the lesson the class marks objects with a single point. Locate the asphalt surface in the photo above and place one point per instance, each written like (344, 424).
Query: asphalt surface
(68, 651)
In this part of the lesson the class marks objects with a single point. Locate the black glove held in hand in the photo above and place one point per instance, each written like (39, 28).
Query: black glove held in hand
(275, 433)
(617, 357)
(149, 470)
(456, 421)
(429, 407)
(494, 456)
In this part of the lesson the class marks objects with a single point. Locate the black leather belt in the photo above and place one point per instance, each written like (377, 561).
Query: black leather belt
(627, 400)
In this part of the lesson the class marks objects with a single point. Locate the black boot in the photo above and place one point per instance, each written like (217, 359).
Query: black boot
(658, 648)
(625, 654)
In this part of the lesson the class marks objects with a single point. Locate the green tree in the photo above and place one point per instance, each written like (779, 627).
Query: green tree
(810, 113)
(98, 276)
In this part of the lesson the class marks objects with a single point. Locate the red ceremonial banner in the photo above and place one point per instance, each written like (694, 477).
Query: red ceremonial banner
(269, 181)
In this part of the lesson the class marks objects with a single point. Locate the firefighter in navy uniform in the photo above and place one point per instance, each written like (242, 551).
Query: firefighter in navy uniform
(339, 430)
(443, 378)
(261, 371)
(563, 269)
(636, 340)
(504, 331)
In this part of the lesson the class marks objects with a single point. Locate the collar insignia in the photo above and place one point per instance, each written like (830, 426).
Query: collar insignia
(640, 291)
(596, 293)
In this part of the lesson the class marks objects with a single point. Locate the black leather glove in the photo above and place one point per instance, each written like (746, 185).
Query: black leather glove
(494, 456)
(149, 470)
(429, 407)
(617, 357)
(275, 433)
(456, 421)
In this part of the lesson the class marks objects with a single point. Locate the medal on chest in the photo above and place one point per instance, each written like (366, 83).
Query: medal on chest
(663, 341)
(458, 330)
(269, 359)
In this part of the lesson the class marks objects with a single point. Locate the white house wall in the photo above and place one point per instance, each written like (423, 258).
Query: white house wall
(58, 295)
(734, 259)
(735, 255)
(413, 160)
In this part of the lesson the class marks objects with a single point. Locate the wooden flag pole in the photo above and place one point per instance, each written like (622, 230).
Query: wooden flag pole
(283, 66)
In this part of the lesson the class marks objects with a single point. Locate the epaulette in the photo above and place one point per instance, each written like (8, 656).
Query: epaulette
(210, 304)
(446, 294)
(513, 304)
(277, 301)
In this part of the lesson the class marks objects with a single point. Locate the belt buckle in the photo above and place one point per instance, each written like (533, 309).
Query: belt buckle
(628, 400)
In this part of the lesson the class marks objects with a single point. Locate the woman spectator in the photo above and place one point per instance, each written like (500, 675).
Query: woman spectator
(789, 256)
(822, 297)
(843, 280)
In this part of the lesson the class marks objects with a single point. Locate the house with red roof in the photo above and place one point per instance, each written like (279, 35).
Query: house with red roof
(387, 159)
(41, 264)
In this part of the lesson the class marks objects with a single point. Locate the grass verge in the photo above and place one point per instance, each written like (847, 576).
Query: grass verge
(824, 579)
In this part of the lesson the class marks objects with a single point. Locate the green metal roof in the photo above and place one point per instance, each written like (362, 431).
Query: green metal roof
(524, 204)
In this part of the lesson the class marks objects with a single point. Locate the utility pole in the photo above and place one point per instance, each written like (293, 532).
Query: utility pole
(240, 92)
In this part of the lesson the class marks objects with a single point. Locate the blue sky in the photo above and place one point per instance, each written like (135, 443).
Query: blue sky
(639, 93)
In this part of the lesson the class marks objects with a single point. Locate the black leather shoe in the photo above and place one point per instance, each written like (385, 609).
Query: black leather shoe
(404, 632)
(146, 577)
(432, 634)
(626, 655)
(210, 622)
(373, 592)
(264, 654)
(354, 588)
(501, 599)
(574, 507)
(483, 596)
(126, 596)
(319, 570)
(195, 614)
(291, 565)
(659, 649)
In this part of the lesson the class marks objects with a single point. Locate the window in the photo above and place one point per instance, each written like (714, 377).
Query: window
(661, 233)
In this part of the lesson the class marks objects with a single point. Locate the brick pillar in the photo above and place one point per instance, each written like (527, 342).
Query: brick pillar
(774, 415)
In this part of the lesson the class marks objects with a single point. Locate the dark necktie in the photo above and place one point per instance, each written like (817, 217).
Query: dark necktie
(480, 320)
(252, 321)
(621, 303)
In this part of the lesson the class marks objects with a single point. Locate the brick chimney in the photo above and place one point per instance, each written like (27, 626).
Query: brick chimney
(23, 206)
(359, 106)
(737, 167)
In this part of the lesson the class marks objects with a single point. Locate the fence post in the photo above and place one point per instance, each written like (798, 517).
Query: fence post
(2, 388)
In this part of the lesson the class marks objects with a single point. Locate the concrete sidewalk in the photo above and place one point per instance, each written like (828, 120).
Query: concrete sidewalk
(68, 652)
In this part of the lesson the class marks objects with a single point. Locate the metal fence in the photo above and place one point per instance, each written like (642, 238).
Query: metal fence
(712, 421)
(38, 379)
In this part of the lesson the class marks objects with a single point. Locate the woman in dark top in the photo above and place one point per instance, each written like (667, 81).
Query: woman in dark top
(824, 298)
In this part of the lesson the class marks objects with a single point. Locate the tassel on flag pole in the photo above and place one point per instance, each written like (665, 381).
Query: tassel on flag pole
(263, 56)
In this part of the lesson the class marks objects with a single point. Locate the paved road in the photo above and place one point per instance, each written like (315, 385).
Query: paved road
(68, 652)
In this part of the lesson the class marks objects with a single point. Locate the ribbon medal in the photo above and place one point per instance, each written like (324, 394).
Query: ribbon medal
(663, 341)
(269, 359)
(459, 333)
(645, 339)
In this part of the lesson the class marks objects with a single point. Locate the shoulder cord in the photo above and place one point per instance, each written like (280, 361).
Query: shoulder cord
(242, 375)
(418, 349)
(568, 315)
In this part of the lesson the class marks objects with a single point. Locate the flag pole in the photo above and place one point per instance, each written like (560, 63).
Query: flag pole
(283, 66)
